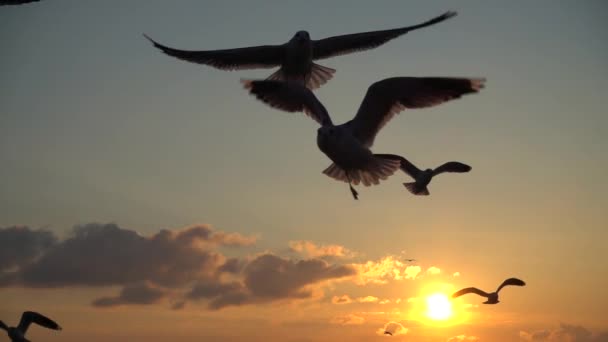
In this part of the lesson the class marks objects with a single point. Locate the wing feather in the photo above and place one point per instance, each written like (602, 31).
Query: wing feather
(29, 317)
(511, 281)
(470, 290)
(288, 97)
(264, 56)
(452, 167)
(349, 43)
(384, 99)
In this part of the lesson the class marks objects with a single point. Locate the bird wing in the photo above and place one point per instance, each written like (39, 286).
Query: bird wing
(289, 97)
(406, 166)
(452, 167)
(349, 43)
(470, 290)
(16, 2)
(30, 317)
(265, 56)
(511, 281)
(390, 96)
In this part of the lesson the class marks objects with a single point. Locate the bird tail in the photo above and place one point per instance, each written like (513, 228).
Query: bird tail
(416, 190)
(379, 168)
(319, 75)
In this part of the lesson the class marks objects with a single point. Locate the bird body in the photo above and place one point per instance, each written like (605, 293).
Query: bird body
(348, 145)
(295, 57)
(492, 297)
(17, 334)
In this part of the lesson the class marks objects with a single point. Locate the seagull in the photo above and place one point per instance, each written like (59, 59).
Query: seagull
(295, 58)
(15, 2)
(492, 297)
(388, 333)
(348, 145)
(409, 260)
(28, 317)
(423, 178)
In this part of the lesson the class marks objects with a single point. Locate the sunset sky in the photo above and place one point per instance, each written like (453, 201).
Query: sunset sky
(144, 198)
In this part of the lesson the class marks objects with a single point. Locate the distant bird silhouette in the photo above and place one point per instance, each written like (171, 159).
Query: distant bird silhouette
(15, 2)
(409, 260)
(388, 333)
(295, 57)
(28, 317)
(348, 145)
(423, 178)
(492, 297)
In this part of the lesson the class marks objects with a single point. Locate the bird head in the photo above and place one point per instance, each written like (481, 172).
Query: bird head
(327, 135)
(301, 37)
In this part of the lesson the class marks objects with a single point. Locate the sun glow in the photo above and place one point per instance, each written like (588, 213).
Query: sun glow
(438, 307)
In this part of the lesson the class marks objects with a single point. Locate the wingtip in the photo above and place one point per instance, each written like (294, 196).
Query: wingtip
(450, 14)
(478, 83)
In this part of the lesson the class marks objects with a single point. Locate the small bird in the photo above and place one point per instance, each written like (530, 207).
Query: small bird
(15, 2)
(423, 178)
(295, 58)
(409, 260)
(388, 333)
(348, 145)
(28, 317)
(492, 297)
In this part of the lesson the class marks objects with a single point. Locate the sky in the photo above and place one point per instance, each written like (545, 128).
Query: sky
(147, 198)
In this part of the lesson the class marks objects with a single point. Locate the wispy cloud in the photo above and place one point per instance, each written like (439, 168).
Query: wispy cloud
(311, 250)
(463, 338)
(367, 299)
(565, 332)
(433, 270)
(142, 293)
(345, 299)
(349, 319)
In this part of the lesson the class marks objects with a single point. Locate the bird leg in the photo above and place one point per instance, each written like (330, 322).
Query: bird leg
(352, 190)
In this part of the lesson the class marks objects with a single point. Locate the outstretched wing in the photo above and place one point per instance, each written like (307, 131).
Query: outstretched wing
(470, 290)
(511, 281)
(406, 166)
(265, 56)
(452, 167)
(390, 96)
(16, 2)
(289, 97)
(30, 317)
(349, 43)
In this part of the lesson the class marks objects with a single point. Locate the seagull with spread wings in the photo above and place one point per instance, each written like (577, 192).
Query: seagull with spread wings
(492, 297)
(348, 145)
(295, 58)
(17, 334)
(423, 178)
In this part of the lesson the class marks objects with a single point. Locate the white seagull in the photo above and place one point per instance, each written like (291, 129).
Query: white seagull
(348, 145)
(492, 297)
(17, 334)
(295, 58)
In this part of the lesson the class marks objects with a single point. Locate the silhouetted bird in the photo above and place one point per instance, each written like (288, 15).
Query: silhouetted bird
(492, 297)
(388, 333)
(348, 145)
(409, 260)
(295, 57)
(16, 2)
(18, 334)
(423, 178)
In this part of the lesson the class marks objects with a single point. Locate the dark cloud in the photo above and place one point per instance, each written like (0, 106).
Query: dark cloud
(20, 246)
(142, 293)
(105, 255)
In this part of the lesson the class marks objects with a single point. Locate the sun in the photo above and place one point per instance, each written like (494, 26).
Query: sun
(438, 307)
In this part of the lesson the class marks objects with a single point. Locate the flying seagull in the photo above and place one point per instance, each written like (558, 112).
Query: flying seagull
(348, 145)
(423, 178)
(388, 333)
(28, 317)
(15, 2)
(295, 58)
(492, 297)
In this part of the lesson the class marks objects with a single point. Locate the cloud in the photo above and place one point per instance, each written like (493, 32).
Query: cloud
(349, 319)
(378, 272)
(456, 274)
(368, 299)
(311, 250)
(21, 245)
(565, 332)
(394, 328)
(411, 272)
(433, 270)
(132, 294)
(384, 301)
(461, 338)
(345, 299)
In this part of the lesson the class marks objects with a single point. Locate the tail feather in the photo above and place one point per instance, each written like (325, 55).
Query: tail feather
(379, 169)
(416, 190)
(319, 75)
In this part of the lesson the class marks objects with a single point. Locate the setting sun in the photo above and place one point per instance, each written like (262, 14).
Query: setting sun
(438, 307)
